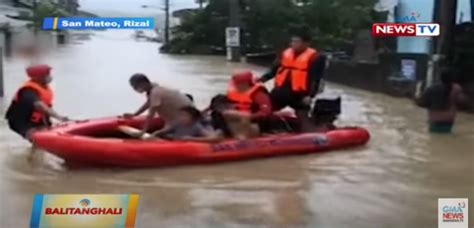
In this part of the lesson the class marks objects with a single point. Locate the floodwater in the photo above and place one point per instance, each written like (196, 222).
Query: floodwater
(394, 181)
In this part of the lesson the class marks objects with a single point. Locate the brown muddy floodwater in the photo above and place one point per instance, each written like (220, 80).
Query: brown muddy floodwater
(394, 181)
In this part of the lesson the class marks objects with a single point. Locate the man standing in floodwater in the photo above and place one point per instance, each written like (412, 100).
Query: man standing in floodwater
(165, 102)
(297, 75)
(31, 108)
(442, 102)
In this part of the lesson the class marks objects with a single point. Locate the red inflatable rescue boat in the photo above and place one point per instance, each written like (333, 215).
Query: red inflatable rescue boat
(100, 143)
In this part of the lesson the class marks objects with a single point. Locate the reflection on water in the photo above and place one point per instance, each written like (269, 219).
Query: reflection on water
(392, 182)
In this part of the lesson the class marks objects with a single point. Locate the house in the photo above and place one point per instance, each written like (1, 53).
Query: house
(424, 10)
(461, 52)
(8, 26)
(178, 15)
(69, 6)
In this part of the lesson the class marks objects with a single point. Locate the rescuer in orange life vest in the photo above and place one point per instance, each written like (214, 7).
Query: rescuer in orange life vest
(297, 74)
(249, 96)
(31, 107)
(251, 102)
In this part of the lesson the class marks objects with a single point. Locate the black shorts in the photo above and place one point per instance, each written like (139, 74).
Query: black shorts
(274, 124)
(282, 97)
(264, 124)
(219, 123)
(23, 128)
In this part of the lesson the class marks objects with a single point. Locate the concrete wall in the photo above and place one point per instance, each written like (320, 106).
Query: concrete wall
(383, 77)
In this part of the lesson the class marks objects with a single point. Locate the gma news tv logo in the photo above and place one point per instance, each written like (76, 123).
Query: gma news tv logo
(410, 18)
(406, 29)
(453, 212)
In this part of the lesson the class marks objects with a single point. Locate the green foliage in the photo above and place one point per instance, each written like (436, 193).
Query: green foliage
(46, 9)
(267, 24)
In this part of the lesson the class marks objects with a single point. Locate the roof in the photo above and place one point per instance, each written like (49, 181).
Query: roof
(183, 12)
(8, 21)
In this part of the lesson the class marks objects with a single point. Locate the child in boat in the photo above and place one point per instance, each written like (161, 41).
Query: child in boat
(214, 116)
(188, 127)
(227, 123)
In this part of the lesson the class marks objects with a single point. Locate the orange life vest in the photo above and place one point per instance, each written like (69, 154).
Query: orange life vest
(45, 94)
(297, 68)
(243, 101)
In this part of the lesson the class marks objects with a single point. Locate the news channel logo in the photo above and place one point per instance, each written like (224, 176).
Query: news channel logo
(77, 210)
(408, 18)
(406, 29)
(453, 213)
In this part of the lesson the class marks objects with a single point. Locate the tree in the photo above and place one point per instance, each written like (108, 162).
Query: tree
(46, 9)
(335, 22)
(268, 23)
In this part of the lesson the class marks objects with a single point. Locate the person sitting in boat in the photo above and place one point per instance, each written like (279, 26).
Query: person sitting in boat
(165, 102)
(31, 108)
(188, 127)
(215, 119)
(252, 105)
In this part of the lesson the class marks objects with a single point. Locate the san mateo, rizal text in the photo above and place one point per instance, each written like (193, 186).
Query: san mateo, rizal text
(79, 23)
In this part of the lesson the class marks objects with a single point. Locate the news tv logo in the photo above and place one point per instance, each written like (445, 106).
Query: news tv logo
(453, 213)
(406, 29)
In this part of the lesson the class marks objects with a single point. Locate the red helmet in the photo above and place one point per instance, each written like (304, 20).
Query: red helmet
(243, 77)
(38, 71)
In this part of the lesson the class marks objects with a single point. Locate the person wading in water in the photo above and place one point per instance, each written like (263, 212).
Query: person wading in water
(32, 105)
(442, 100)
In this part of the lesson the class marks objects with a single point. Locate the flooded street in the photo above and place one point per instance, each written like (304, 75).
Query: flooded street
(394, 181)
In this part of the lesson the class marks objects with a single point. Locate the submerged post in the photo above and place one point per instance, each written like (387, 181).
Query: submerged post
(2, 92)
(233, 32)
(167, 22)
(445, 15)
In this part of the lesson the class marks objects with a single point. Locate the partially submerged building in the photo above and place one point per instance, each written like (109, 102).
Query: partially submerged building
(402, 65)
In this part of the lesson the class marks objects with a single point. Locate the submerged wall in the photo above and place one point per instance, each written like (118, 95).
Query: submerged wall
(388, 76)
